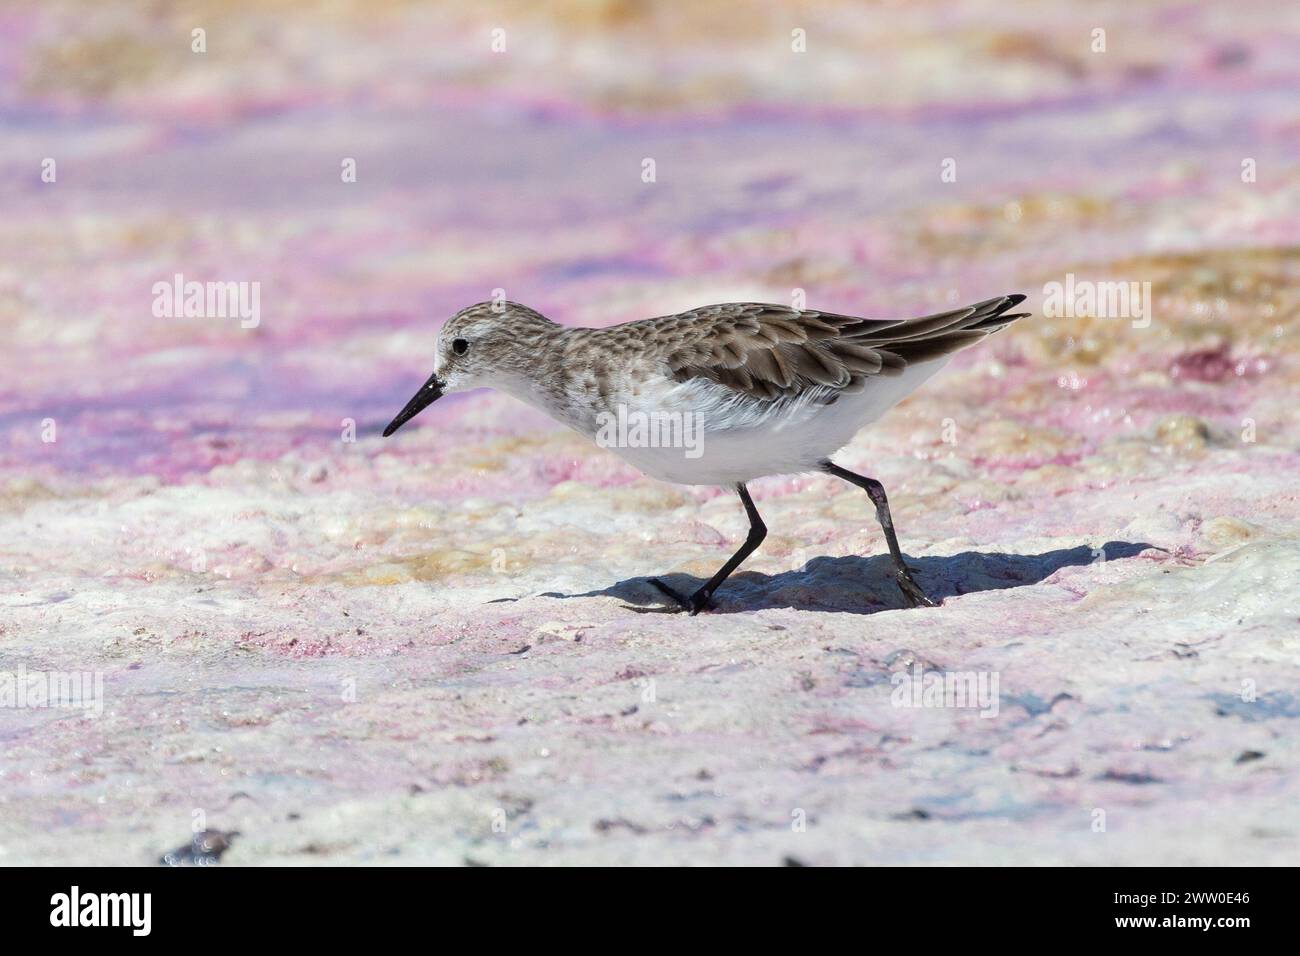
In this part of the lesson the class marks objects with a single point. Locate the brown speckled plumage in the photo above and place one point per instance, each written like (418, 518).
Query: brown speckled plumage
(770, 352)
(762, 352)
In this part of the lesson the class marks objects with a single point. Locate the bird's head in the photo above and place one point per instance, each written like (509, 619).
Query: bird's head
(491, 344)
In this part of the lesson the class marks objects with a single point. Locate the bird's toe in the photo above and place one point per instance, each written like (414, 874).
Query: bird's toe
(682, 602)
(913, 593)
(699, 602)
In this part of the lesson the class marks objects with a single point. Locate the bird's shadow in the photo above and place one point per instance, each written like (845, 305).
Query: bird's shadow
(857, 585)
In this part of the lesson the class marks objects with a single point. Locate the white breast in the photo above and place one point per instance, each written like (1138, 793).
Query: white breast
(702, 433)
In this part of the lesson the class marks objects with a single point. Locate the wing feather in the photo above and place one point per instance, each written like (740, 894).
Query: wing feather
(771, 353)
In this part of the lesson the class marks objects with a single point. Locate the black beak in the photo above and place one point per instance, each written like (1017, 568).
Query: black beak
(429, 393)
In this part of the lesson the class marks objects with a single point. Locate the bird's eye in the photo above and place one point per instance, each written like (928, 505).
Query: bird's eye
(459, 346)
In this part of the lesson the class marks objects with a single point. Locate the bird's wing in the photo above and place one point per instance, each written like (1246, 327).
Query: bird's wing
(769, 353)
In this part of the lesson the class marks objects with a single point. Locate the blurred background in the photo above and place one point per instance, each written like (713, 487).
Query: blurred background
(503, 147)
(202, 509)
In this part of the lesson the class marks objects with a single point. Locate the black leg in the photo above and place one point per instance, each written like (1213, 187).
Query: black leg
(757, 532)
(911, 590)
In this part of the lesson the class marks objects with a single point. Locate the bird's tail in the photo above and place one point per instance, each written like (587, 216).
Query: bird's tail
(935, 336)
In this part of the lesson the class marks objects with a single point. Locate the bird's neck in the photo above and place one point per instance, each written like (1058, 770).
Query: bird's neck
(546, 378)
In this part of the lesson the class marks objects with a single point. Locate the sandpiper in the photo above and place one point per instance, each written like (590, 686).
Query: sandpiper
(768, 390)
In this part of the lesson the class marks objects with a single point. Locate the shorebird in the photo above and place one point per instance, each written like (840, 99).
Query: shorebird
(764, 390)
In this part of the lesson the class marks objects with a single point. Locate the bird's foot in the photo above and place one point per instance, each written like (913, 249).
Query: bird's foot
(912, 593)
(694, 604)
